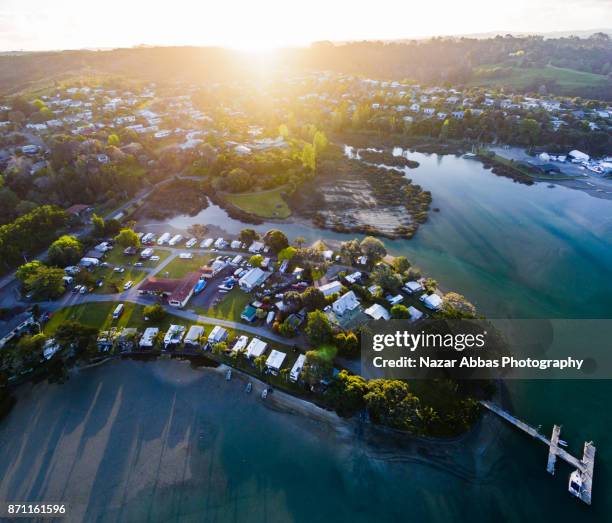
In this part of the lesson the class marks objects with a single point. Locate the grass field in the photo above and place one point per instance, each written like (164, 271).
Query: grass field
(266, 204)
(99, 315)
(178, 268)
(566, 80)
(230, 307)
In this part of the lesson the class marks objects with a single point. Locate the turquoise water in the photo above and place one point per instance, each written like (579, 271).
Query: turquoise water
(137, 442)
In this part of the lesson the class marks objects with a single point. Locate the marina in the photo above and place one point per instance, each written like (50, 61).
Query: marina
(581, 479)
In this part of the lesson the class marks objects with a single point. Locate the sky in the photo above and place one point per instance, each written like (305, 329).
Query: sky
(264, 24)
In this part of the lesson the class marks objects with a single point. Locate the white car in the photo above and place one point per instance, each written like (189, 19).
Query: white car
(128, 285)
(119, 269)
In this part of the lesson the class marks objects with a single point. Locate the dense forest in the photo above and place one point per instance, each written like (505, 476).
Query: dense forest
(565, 66)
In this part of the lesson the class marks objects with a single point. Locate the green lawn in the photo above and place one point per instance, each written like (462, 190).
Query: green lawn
(327, 352)
(266, 204)
(116, 257)
(114, 281)
(567, 80)
(178, 268)
(98, 315)
(230, 307)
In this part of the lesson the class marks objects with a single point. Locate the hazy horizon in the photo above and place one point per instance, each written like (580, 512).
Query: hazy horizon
(34, 25)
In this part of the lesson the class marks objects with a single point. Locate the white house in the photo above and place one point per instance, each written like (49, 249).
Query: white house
(194, 335)
(236, 244)
(415, 314)
(148, 338)
(240, 344)
(252, 279)
(378, 312)
(346, 302)
(432, 301)
(256, 247)
(579, 156)
(174, 335)
(333, 287)
(296, 370)
(89, 262)
(206, 243)
(275, 361)
(353, 278)
(394, 300)
(217, 335)
(413, 286)
(256, 348)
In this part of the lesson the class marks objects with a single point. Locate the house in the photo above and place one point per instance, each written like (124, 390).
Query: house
(378, 312)
(256, 348)
(297, 368)
(146, 253)
(256, 247)
(148, 338)
(194, 336)
(432, 301)
(578, 156)
(217, 335)
(236, 244)
(89, 262)
(415, 314)
(270, 317)
(206, 243)
(174, 336)
(240, 344)
(275, 361)
(346, 302)
(252, 279)
(220, 243)
(353, 278)
(394, 300)
(283, 266)
(333, 287)
(178, 291)
(237, 260)
(375, 290)
(413, 286)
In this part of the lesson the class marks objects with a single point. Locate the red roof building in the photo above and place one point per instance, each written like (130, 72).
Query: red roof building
(178, 291)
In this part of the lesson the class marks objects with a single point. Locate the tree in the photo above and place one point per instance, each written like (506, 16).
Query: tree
(309, 157)
(42, 281)
(248, 236)
(299, 241)
(386, 277)
(319, 142)
(373, 248)
(287, 253)
(400, 312)
(287, 329)
(401, 264)
(455, 305)
(29, 350)
(293, 300)
(75, 335)
(276, 240)
(347, 343)
(113, 140)
(430, 285)
(316, 367)
(155, 313)
(127, 238)
(313, 299)
(98, 225)
(256, 260)
(66, 250)
(318, 328)
(260, 363)
(391, 403)
(346, 393)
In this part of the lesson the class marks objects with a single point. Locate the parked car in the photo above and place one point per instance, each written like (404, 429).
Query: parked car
(128, 285)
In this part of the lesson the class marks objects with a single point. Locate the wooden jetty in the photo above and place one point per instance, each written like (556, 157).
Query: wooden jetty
(581, 479)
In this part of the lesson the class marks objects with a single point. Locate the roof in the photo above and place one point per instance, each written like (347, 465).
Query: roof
(177, 290)
(330, 288)
(217, 334)
(415, 313)
(275, 359)
(77, 208)
(194, 333)
(433, 301)
(252, 278)
(347, 301)
(378, 312)
(256, 348)
(241, 343)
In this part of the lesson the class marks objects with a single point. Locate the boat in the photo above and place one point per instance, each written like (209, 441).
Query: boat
(228, 376)
(575, 483)
(248, 388)
(470, 156)
(264, 394)
(563, 443)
